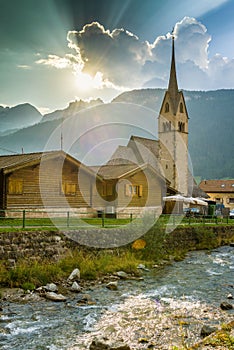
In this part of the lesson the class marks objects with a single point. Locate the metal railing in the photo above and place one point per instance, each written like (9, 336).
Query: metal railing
(29, 218)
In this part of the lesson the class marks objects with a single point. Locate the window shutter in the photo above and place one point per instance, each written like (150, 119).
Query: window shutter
(140, 191)
(109, 189)
(19, 187)
(104, 189)
(10, 187)
(127, 190)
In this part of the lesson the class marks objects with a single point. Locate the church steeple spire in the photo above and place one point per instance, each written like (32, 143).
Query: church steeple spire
(173, 86)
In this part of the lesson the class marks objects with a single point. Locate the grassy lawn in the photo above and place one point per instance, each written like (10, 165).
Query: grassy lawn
(76, 222)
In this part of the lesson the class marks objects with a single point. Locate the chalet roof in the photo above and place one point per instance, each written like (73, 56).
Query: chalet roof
(122, 155)
(18, 159)
(210, 186)
(111, 172)
(10, 163)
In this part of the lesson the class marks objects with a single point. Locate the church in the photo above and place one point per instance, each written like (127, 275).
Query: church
(162, 164)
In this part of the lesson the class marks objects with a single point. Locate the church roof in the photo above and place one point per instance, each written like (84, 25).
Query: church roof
(151, 144)
(122, 155)
(174, 93)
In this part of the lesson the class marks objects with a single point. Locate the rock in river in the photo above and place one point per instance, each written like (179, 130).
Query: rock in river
(55, 297)
(226, 306)
(75, 275)
(105, 345)
(112, 285)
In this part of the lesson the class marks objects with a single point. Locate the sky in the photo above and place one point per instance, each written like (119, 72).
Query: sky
(53, 52)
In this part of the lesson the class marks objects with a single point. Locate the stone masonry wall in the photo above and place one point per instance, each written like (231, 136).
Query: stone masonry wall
(53, 245)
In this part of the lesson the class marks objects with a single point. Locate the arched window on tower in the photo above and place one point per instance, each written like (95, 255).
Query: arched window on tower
(181, 107)
(167, 126)
(167, 107)
(181, 126)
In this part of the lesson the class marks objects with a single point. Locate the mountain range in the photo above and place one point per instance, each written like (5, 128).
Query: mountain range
(211, 141)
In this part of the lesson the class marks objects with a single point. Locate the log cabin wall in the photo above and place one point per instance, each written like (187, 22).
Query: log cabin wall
(52, 182)
(2, 193)
(148, 192)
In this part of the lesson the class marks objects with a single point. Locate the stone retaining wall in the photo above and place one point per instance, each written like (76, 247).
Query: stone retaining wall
(33, 245)
(53, 245)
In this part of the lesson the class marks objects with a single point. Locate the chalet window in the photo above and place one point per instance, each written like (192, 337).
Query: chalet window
(69, 189)
(181, 107)
(167, 108)
(15, 186)
(231, 200)
(133, 190)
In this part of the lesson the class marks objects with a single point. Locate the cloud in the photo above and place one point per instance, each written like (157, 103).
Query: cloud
(61, 62)
(23, 66)
(119, 60)
(117, 54)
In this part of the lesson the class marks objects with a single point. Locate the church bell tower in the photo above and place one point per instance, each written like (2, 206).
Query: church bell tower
(173, 133)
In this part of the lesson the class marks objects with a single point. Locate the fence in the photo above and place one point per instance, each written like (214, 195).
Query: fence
(22, 219)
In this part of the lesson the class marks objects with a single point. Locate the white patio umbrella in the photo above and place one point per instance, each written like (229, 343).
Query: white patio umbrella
(178, 198)
(186, 200)
(199, 201)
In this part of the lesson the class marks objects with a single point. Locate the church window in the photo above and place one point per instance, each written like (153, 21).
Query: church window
(167, 126)
(167, 107)
(181, 107)
(181, 126)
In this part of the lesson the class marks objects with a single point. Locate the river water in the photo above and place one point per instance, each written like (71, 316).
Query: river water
(201, 278)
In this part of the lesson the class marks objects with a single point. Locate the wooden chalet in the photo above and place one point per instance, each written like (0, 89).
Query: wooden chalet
(129, 188)
(44, 180)
(56, 180)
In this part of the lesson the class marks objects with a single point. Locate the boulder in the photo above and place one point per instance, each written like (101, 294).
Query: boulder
(75, 275)
(207, 330)
(85, 299)
(123, 275)
(75, 287)
(226, 306)
(55, 297)
(51, 287)
(99, 344)
(142, 267)
(112, 285)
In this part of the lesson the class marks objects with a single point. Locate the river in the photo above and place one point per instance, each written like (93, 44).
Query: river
(202, 280)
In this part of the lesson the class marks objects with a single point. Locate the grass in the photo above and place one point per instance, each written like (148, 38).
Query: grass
(75, 222)
(156, 247)
(92, 265)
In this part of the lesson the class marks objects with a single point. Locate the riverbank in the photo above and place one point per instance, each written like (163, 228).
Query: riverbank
(173, 306)
(32, 259)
